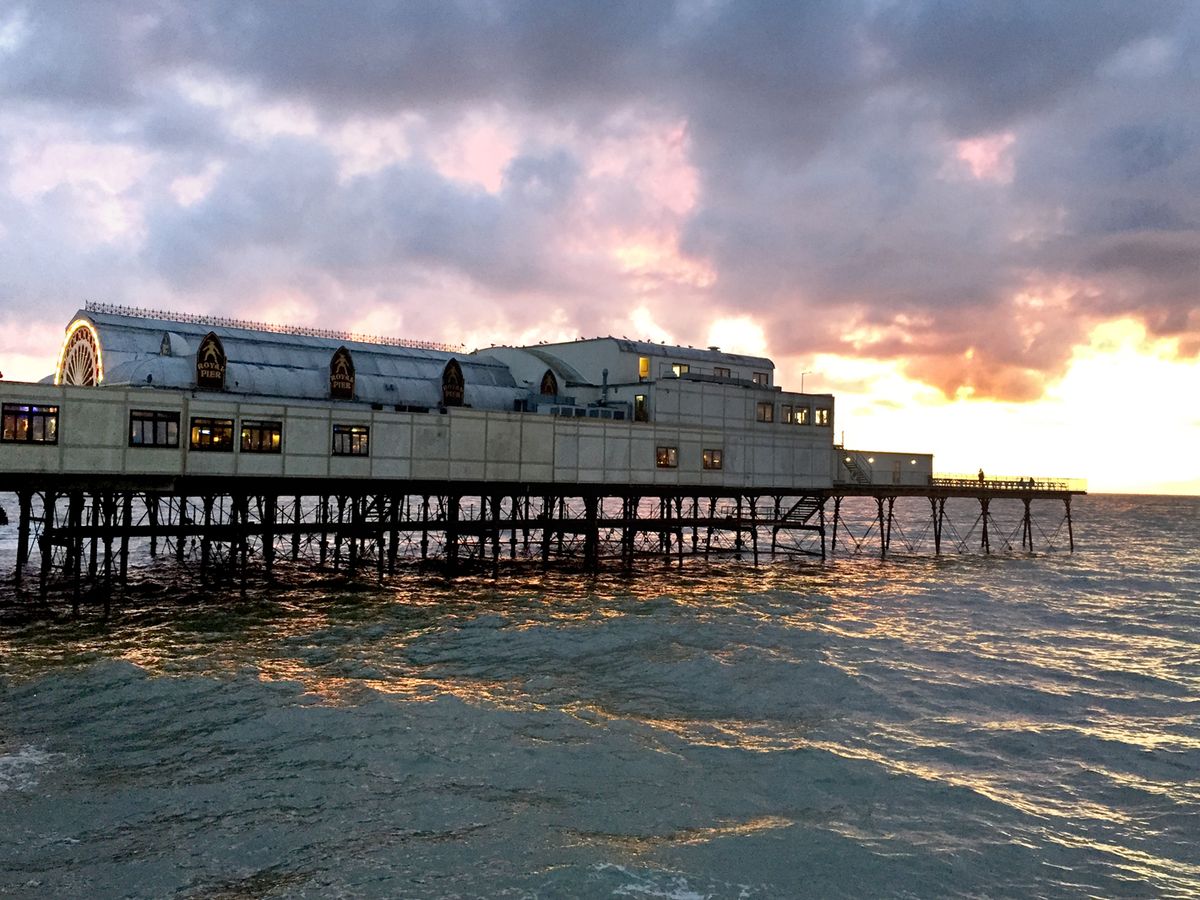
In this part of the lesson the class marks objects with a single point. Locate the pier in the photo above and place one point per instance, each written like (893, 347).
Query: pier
(237, 451)
(77, 535)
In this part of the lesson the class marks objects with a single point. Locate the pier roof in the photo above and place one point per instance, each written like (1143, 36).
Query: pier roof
(147, 347)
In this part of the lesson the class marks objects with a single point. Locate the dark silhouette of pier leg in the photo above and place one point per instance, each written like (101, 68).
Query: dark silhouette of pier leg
(46, 542)
(754, 529)
(181, 533)
(1070, 528)
(591, 544)
(452, 513)
(985, 541)
(25, 508)
(296, 529)
(126, 526)
(270, 505)
(837, 519)
(883, 537)
(398, 512)
(152, 515)
(1026, 528)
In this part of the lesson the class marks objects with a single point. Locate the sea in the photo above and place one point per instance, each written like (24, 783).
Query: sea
(1008, 725)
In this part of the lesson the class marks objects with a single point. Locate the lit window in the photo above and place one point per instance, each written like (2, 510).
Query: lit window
(262, 437)
(823, 417)
(29, 424)
(785, 413)
(800, 415)
(678, 369)
(351, 440)
(762, 378)
(666, 457)
(712, 459)
(214, 435)
(721, 372)
(640, 412)
(765, 412)
(153, 428)
(644, 367)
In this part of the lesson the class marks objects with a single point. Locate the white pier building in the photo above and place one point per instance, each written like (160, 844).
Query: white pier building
(140, 393)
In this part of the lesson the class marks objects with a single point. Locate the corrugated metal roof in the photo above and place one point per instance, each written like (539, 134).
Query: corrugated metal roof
(270, 363)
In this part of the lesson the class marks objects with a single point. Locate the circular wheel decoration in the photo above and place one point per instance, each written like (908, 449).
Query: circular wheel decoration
(81, 359)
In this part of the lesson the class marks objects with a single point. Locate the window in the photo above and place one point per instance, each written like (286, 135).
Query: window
(29, 424)
(640, 414)
(351, 440)
(643, 367)
(800, 416)
(712, 459)
(153, 428)
(785, 413)
(262, 437)
(667, 457)
(766, 412)
(824, 417)
(212, 434)
(762, 378)
(678, 369)
(721, 372)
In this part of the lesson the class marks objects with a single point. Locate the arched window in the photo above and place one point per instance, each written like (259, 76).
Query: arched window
(341, 375)
(453, 385)
(210, 364)
(80, 360)
(549, 386)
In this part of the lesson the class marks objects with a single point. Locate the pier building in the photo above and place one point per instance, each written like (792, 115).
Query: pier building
(226, 439)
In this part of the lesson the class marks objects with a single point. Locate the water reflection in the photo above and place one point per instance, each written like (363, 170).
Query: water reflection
(913, 706)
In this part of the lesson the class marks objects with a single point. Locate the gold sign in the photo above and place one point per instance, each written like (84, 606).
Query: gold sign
(210, 364)
(453, 385)
(341, 375)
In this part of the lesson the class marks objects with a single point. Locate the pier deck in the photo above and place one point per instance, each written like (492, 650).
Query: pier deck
(76, 533)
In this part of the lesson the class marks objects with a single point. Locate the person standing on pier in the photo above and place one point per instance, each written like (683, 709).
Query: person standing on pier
(981, 476)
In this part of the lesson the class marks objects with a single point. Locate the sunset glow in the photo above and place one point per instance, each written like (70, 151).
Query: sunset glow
(980, 235)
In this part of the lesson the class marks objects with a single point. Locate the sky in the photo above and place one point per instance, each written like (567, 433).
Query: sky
(976, 223)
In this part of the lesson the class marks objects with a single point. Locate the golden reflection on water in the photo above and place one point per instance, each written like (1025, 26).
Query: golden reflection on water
(683, 837)
(340, 648)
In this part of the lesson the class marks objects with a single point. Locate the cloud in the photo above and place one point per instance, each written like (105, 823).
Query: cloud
(963, 188)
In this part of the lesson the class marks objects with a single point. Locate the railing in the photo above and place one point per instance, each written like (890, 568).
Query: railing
(1011, 483)
(299, 331)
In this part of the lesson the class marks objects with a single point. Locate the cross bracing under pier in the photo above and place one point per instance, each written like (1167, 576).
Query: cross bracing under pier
(77, 537)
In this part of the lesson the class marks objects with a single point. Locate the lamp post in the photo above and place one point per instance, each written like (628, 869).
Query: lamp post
(802, 374)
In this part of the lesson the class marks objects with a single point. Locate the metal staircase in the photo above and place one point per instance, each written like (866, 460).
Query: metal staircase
(859, 471)
(802, 510)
